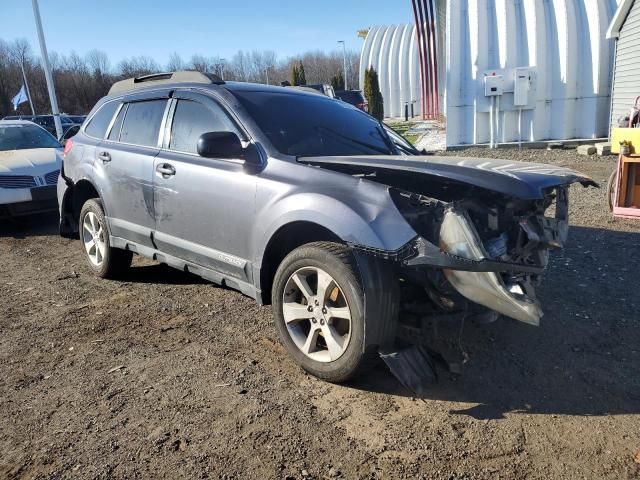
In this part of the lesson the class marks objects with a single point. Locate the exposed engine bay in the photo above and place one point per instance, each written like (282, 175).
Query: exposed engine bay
(492, 252)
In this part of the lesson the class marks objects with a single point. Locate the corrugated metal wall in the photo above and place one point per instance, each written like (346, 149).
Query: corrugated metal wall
(563, 39)
(626, 84)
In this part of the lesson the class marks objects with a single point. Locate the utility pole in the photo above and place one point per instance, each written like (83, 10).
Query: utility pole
(47, 69)
(344, 61)
(26, 87)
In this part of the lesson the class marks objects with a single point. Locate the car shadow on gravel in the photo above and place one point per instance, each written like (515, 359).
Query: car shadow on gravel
(30, 226)
(584, 359)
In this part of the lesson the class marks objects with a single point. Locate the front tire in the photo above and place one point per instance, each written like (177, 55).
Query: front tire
(103, 259)
(318, 305)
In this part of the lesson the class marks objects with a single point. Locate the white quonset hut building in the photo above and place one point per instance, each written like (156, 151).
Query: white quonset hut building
(550, 61)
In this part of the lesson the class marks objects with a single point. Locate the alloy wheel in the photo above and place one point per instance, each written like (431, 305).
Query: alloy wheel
(316, 314)
(93, 238)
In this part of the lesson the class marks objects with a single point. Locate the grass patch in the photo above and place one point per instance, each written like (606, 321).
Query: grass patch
(402, 128)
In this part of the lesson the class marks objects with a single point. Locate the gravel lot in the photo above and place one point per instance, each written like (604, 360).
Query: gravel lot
(164, 375)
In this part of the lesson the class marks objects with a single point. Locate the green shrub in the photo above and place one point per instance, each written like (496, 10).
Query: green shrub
(372, 94)
(337, 81)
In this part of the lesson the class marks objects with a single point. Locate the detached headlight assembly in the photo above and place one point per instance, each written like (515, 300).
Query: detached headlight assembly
(459, 237)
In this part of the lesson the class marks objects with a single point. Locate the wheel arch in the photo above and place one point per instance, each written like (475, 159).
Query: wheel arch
(284, 240)
(74, 198)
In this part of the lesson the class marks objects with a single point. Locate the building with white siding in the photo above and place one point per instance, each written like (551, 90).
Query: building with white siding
(553, 58)
(625, 29)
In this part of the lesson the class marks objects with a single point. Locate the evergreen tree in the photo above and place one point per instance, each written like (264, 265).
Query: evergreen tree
(372, 94)
(301, 76)
(337, 81)
(295, 75)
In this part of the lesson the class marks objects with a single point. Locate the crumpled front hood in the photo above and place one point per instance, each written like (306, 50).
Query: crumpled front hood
(34, 161)
(518, 179)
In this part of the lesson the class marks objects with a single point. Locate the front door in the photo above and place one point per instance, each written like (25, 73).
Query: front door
(204, 207)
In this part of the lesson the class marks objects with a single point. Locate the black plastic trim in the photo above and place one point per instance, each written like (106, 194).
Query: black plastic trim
(420, 252)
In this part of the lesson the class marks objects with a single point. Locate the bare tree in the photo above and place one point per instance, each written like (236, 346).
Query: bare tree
(7, 81)
(21, 50)
(200, 63)
(175, 63)
(239, 67)
(98, 62)
(82, 80)
(137, 66)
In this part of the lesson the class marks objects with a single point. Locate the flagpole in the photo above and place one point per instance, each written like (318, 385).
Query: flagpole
(47, 70)
(26, 86)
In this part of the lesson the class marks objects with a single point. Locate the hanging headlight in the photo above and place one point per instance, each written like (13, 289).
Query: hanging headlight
(459, 237)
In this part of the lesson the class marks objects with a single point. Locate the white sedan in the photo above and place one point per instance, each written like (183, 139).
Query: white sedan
(30, 159)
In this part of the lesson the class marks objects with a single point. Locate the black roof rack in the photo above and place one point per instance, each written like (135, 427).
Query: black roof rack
(187, 76)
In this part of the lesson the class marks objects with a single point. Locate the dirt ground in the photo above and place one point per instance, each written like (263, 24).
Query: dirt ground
(162, 375)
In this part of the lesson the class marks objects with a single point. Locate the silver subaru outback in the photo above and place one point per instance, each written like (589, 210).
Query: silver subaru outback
(305, 202)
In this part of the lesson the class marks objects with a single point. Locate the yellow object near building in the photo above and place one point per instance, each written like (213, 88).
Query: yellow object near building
(629, 135)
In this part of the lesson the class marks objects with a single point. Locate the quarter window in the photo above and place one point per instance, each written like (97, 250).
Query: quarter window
(192, 119)
(114, 134)
(100, 121)
(142, 123)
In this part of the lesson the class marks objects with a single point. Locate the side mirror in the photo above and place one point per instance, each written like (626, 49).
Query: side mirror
(220, 145)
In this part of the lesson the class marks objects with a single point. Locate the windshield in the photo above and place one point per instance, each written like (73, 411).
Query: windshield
(21, 137)
(315, 126)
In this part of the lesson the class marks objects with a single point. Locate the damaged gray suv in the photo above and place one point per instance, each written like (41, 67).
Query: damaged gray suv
(313, 206)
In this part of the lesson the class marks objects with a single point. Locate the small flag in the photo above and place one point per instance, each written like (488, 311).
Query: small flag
(21, 97)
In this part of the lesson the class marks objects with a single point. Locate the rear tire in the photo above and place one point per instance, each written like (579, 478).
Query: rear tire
(323, 332)
(103, 259)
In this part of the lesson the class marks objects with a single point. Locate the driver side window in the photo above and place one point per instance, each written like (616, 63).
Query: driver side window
(191, 119)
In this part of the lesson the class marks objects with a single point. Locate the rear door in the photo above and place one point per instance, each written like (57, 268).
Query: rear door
(204, 206)
(126, 155)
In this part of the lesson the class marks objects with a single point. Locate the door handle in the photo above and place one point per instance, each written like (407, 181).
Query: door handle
(104, 156)
(166, 169)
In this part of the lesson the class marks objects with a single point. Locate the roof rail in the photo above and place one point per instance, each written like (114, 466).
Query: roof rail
(187, 76)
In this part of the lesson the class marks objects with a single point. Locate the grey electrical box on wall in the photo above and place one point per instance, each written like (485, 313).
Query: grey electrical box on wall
(521, 87)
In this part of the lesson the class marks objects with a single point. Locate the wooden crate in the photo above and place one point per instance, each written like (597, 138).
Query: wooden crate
(627, 193)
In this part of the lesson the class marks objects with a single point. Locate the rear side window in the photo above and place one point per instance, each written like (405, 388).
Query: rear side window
(192, 119)
(142, 123)
(97, 127)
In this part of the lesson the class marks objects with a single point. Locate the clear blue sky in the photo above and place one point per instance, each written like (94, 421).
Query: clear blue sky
(210, 27)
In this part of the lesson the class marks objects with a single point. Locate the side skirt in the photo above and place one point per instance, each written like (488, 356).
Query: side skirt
(206, 273)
